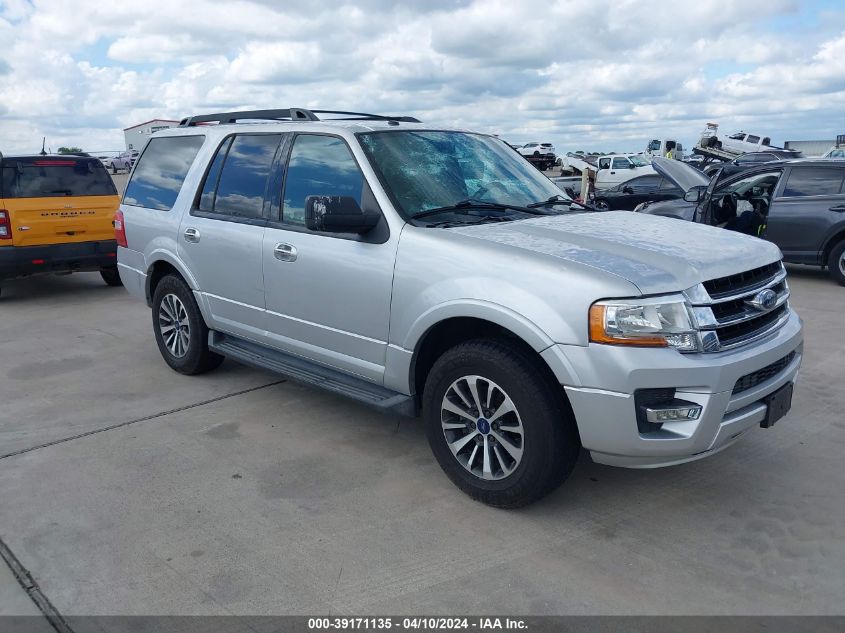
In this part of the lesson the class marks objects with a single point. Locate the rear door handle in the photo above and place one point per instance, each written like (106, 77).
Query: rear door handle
(840, 208)
(285, 252)
(192, 235)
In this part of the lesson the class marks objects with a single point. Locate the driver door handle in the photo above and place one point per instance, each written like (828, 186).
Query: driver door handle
(284, 252)
(840, 208)
(192, 235)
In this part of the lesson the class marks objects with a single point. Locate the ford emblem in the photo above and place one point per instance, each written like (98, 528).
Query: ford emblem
(764, 300)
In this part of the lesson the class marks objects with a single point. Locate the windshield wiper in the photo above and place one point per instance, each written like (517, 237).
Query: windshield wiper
(556, 199)
(465, 205)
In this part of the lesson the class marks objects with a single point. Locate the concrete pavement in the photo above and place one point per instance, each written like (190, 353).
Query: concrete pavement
(235, 493)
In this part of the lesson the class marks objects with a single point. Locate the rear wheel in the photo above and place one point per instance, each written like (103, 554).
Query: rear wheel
(111, 276)
(497, 425)
(114, 168)
(180, 331)
(836, 263)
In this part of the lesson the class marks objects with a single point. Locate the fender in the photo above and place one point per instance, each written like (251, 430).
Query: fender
(400, 359)
(163, 255)
(485, 310)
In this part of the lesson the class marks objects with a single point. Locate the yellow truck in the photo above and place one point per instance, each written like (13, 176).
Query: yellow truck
(56, 214)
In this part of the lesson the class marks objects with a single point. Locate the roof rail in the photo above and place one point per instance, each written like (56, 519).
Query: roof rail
(289, 114)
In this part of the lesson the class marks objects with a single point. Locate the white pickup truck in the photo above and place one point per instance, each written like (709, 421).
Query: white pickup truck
(616, 168)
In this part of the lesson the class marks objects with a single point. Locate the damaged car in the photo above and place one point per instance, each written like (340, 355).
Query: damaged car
(799, 205)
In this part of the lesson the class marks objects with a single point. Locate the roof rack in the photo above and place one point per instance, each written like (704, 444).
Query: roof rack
(289, 114)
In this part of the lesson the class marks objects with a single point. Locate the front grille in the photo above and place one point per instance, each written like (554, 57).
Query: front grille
(741, 282)
(732, 335)
(729, 313)
(749, 381)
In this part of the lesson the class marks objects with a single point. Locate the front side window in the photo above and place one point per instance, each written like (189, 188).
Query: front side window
(636, 161)
(426, 169)
(620, 163)
(644, 184)
(319, 166)
(814, 181)
(161, 170)
(753, 139)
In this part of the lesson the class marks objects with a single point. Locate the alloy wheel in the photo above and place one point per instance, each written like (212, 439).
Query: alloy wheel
(174, 325)
(482, 427)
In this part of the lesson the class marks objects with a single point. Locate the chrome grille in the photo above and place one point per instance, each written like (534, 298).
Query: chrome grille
(727, 310)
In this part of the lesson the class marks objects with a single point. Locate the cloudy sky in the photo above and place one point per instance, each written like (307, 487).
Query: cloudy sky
(585, 74)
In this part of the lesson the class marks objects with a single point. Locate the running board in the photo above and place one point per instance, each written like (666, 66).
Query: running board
(310, 373)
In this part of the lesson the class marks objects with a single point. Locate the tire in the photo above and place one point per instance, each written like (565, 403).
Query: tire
(602, 204)
(718, 144)
(111, 276)
(836, 263)
(113, 168)
(187, 350)
(521, 467)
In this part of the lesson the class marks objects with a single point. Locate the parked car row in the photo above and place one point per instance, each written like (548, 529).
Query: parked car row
(121, 162)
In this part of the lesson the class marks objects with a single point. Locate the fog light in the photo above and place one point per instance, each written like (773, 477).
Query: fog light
(674, 411)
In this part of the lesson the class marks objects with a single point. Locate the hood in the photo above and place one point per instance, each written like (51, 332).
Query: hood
(681, 174)
(658, 255)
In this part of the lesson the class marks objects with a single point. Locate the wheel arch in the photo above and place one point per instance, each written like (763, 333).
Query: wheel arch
(163, 264)
(450, 330)
(831, 243)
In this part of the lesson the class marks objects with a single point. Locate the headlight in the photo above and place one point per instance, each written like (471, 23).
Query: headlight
(654, 322)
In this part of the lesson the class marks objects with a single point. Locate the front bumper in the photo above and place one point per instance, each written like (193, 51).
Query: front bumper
(23, 261)
(604, 406)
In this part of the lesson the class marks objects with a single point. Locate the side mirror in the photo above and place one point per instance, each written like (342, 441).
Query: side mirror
(693, 195)
(338, 214)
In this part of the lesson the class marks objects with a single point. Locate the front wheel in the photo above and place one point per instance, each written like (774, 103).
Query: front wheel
(498, 426)
(836, 263)
(180, 331)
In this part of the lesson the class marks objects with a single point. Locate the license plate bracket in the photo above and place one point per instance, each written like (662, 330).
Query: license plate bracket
(777, 405)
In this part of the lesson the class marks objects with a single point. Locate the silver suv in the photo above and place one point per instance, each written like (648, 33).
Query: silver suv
(435, 272)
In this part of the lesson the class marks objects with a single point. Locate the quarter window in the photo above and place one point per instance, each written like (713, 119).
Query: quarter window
(814, 181)
(161, 170)
(319, 166)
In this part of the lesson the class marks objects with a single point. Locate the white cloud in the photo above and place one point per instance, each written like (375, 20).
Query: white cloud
(584, 74)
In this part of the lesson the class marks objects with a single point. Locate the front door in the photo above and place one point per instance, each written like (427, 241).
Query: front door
(328, 295)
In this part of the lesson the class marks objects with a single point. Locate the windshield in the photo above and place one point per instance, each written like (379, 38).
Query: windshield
(424, 170)
(654, 145)
(637, 161)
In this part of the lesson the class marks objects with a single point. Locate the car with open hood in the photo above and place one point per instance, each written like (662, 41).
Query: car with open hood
(799, 205)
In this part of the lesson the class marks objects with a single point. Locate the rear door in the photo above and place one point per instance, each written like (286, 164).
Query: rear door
(221, 239)
(809, 203)
(58, 199)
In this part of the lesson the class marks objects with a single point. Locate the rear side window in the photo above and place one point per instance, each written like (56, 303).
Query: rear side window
(243, 178)
(161, 170)
(814, 181)
(54, 177)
